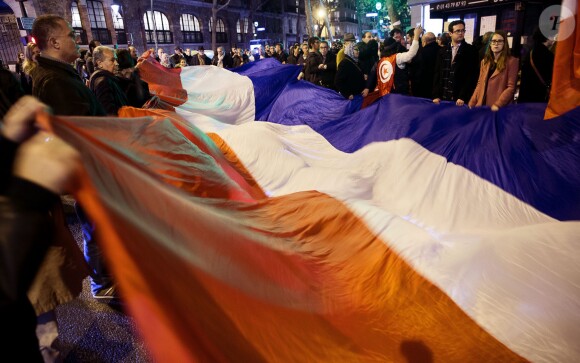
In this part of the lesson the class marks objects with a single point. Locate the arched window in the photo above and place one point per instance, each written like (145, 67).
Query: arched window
(98, 23)
(119, 25)
(220, 31)
(164, 35)
(191, 29)
(242, 29)
(77, 24)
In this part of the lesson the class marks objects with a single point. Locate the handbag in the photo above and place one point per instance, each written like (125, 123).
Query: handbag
(548, 86)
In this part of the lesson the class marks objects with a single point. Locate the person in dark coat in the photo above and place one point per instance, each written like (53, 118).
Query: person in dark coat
(424, 67)
(532, 87)
(294, 54)
(30, 185)
(90, 64)
(200, 58)
(55, 82)
(350, 79)
(103, 82)
(81, 66)
(312, 69)
(368, 52)
(176, 57)
(136, 89)
(10, 90)
(222, 59)
(328, 66)
(457, 68)
(279, 54)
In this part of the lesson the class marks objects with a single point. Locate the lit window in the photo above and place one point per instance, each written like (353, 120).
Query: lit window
(161, 27)
(220, 30)
(191, 29)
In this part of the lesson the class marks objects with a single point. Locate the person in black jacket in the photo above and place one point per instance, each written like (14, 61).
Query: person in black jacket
(350, 80)
(368, 52)
(136, 89)
(328, 66)
(534, 86)
(103, 82)
(10, 90)
(424, 67)
(200, 58)
(312, 69)
(279, 54)
(222, 59)
(43, 168)
(457, 68)
(55, 82)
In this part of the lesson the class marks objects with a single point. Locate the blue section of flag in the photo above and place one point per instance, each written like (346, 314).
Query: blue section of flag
(535, 160)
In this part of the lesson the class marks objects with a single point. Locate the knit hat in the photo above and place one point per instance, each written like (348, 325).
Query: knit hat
(124, 59)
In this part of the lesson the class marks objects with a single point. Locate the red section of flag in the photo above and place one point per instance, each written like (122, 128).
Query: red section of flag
(565, 92)
(163, 82)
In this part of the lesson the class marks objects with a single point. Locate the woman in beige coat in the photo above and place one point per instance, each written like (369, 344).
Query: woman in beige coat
(497, 76)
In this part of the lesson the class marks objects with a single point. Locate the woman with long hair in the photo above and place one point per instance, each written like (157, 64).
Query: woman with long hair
(497, 76)
(30, 54)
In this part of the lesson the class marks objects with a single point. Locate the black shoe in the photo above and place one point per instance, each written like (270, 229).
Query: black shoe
(106, 293)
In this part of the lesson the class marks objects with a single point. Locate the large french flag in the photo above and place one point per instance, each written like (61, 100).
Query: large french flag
(266, 219)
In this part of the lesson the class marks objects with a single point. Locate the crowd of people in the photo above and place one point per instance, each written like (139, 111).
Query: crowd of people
(101, 80)
(442, 68)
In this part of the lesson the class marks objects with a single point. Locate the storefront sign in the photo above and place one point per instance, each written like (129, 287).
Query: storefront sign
(25, 23)
(465, 4)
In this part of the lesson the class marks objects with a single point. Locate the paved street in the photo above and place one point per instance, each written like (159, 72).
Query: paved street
(92, 331)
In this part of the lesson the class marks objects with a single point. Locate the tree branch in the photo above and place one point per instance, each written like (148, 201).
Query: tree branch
(223, 6)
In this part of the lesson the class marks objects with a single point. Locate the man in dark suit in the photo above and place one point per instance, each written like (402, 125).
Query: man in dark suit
(457, 68)
(222, 59)
(328, 66)
(424, 67)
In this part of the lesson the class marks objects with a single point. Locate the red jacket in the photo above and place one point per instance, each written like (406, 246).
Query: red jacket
(500, 87)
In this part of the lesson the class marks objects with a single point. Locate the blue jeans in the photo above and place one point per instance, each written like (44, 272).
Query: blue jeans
(100, 277)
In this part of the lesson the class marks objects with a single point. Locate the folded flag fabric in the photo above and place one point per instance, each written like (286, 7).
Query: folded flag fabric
(404, 232)
(565, 86)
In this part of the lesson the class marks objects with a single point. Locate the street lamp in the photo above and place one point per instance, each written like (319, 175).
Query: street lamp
(379, 6)
(321, 15)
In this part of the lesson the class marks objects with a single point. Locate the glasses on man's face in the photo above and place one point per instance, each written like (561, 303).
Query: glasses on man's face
(324, 47)
(497, 41)
(459, 31)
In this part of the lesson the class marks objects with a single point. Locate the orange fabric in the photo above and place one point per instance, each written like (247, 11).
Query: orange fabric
(165, 83)
(371, 98)
(565, 91)
(236, 173)
(294, 278)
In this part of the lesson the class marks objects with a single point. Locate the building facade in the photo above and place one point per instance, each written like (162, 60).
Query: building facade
(517, 18)
(170, 23)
